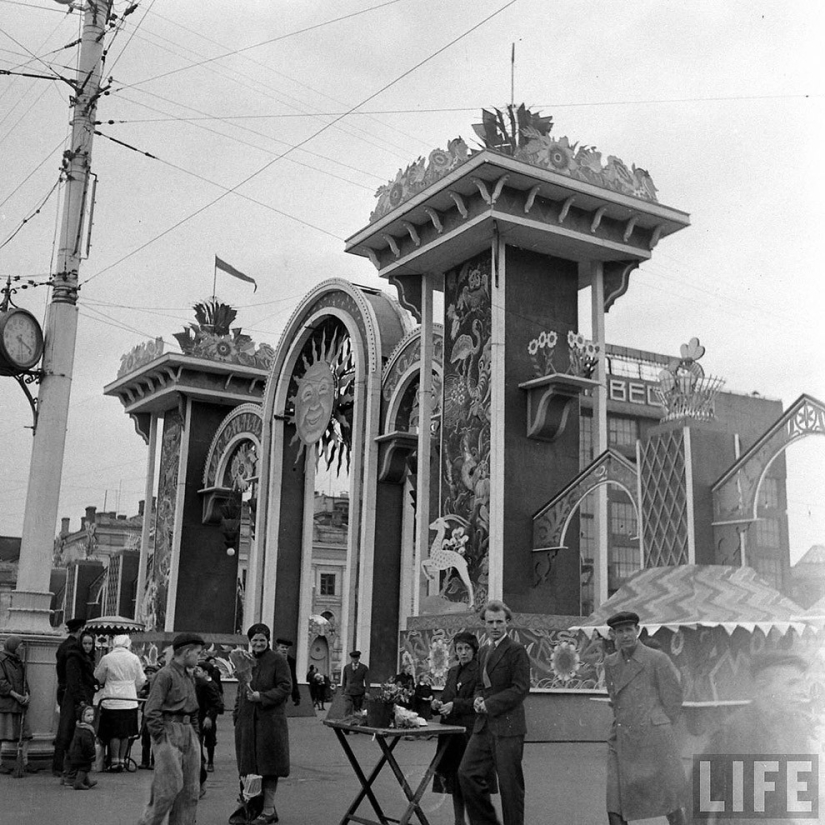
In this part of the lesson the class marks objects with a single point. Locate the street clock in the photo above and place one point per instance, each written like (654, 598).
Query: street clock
(21, 341)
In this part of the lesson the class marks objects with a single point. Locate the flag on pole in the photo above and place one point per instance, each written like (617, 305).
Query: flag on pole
(230, 270)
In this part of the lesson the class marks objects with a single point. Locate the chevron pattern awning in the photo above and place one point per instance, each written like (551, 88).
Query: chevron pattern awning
(814, 615)
(698, 595)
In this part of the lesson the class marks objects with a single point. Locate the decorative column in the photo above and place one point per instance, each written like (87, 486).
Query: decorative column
(600, 512)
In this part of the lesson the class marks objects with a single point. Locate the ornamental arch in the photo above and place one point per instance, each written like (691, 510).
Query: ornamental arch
(736, 493)
(352, 330)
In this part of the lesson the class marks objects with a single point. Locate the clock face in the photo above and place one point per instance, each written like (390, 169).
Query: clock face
(22, 340)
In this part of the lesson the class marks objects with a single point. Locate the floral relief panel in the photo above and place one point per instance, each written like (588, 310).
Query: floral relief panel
(459, 548)
(560, 658)
(159, 564)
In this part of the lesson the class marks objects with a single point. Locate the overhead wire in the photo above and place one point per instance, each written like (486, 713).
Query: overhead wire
(267, 42)
(309, 152)
(282, 97)
(297, 115)
(33, 171)
(32, 215)
(227, 190)
(272, 70)
(315, 134)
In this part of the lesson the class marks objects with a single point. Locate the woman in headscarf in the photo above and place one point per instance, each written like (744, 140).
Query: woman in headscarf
(261, 736)
(80, 690)
(14, 698)
(121, 675)
(456, 708)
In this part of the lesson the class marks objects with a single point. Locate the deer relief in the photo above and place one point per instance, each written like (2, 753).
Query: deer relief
(444, 558)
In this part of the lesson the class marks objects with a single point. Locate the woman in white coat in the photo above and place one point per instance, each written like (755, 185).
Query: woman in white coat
(121, 675)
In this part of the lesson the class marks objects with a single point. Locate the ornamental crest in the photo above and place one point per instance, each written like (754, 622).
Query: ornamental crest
(525, 136)
(211, 338)
(140, 355)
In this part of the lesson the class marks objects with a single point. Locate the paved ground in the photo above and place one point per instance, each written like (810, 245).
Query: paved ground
(565, 786)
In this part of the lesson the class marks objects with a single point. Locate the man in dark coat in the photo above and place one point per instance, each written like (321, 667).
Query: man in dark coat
(74, 627)
(645, 777)
(497, 743)
(354, 683)
(283, 646)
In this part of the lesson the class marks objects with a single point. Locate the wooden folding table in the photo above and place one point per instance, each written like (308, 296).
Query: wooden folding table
(387, 739)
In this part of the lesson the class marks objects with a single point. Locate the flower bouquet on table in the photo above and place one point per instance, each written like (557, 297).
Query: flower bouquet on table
(382, 700)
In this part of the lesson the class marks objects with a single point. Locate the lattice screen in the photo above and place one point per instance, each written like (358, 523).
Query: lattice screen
(664, 499)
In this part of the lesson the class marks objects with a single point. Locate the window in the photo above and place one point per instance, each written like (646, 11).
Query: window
(327, 584)
(767, 533)
(769, 493)
(622, 432)
(622, 522)
(585, 441)
(624, 561)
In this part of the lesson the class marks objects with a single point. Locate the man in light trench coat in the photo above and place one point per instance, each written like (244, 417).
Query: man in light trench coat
(645, 777)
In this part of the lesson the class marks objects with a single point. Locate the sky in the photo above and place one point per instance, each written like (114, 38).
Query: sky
(273, 123)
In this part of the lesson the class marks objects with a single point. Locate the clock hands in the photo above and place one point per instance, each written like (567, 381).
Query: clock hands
(27, 346)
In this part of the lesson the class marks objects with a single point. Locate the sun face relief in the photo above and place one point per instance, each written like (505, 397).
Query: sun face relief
(314, 401)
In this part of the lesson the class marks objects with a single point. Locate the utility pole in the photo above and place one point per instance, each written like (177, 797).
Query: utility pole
(31, 600)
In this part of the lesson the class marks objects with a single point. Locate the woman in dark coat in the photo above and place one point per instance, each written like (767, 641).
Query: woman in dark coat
(80, 690)
(456, 708)
(261, 736)
(14, 698)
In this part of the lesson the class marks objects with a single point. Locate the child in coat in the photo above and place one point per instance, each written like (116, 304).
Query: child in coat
(82, 749)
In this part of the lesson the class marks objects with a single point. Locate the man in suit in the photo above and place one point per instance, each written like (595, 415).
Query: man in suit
(283, 646)
(645, 777)
(497, 742)
(354, 683)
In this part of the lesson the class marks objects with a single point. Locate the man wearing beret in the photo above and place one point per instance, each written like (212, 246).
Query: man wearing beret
(354, 683)
(171, 716)
(645, 777)
(64, 650)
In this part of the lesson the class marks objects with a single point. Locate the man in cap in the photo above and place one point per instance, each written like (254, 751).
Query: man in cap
(74, 627)
(283, 646)
(171, 715)
(645, 777)
(354, 683)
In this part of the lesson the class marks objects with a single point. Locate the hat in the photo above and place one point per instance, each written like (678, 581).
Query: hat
(625, 617)
(467, 639)
(183, 639)
(355, 654)
(12, 643)
(75, 624)
(122, 641)
(257, 628)
(777, 658)
(284, 642)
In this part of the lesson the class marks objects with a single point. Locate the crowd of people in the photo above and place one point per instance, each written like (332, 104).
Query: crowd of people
(484, 694)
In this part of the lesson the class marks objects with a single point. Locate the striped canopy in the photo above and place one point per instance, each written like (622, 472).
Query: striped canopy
(698, 595)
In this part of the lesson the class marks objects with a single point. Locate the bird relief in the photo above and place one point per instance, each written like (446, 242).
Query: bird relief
(449, 553)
